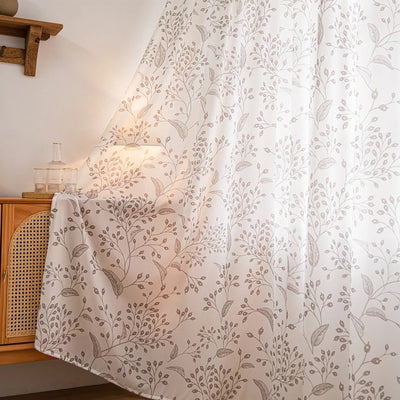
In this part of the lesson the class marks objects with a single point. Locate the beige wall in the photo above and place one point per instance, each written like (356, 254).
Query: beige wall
(82, 74)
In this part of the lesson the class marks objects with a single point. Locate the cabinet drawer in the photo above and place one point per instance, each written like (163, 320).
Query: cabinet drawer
(23, 253)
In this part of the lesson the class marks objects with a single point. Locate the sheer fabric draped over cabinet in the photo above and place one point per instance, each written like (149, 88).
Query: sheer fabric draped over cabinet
(238, 231)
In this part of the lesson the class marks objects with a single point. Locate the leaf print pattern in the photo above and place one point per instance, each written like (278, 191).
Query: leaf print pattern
(237, 232)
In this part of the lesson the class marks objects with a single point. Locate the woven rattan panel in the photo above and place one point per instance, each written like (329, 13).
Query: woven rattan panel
(27, 256)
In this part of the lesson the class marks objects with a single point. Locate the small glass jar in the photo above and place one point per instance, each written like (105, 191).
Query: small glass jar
(54, 180)
(40, 179)
(70, 178)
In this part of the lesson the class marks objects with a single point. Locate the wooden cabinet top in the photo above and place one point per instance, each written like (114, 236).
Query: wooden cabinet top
(19, 200)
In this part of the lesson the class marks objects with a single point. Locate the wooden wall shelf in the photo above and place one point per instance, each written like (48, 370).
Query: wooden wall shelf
(33, 32)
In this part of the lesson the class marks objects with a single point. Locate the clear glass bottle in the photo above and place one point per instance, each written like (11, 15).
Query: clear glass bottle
(56, 162)
(55, 170)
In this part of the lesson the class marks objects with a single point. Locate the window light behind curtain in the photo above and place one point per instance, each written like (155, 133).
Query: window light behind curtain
(240, 235)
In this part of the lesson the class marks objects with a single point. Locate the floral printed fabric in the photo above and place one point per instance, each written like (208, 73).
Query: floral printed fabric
(239, 235)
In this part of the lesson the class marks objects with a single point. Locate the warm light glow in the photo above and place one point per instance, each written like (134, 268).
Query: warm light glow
(136, 152)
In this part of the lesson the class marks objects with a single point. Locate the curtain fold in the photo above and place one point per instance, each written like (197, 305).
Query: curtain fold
(237, 232)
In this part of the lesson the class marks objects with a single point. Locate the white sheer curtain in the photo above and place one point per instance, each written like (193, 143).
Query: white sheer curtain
(238, 235)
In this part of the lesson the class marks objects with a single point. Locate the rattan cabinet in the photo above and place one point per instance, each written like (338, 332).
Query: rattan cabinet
(24, 238)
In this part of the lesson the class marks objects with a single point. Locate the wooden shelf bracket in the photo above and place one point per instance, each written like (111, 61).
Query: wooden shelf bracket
(33, 31)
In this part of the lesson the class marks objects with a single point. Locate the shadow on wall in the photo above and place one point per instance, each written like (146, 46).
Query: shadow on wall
(43, 376)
